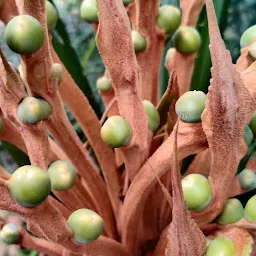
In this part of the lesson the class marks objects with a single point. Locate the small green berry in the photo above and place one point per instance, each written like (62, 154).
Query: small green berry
(45, 109)
(248, 37)
(247, 179)
(126, 2)
(248, 135)
(139, 41)
(57, 71)
(221, 246)
(89, 11)
(169, 18)
(116, 132)
(10, 233)
(62, 174)
(52, 16)
(252, 50)
(197, 191)
(29, 110)
(86, 225)
(1, 125)
(24, 34)
(104, 84)
(29, 186)
(152, 114)
(232, 212)
(186, 40)
(169, 55)
(250, 209)
(190, 106)
(253, 123)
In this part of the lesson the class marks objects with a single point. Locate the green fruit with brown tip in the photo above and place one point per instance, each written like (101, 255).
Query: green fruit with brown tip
(248, 37)
(116, 132)
(126, 2)
(232, 212)
(104, 84)
(139, 42)
(24, 34)
(190, 106)
(86, 225)
(89, 11)
(57, 72)
(1, 125)
(186, 40)
(152, 114)
(29, 186)
(169, 18)
(10, 234)
(247, 179)
(62, 174)
(221, 246)
(52, 16)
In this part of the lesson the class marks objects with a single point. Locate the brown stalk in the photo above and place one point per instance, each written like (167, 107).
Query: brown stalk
(149, 61)
(131, 11)
(244, 60)
(4, 174)
(116, 48)
(229, 107)
(8, 10)
(191, 139)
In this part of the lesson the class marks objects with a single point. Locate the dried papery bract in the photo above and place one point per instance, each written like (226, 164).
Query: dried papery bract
(229, 107)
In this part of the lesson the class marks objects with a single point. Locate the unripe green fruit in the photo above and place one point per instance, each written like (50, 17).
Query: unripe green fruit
(45, 109)
(252, 51)
(250, 209)
(62, 174)
(139, 41)
(10, 233)
(29, 110)
(14, 67)
(232, 212)
(126, 2)
(24, 34)
(52, 16)
(247, 179)
(186, 40)
(116, 132)
(248, 135)
(221, 246)
(1, 125)
(248, 37)
(104, 84)
(197, 191)
(57, 71)
(190, 106)
(169, 55)
(86, 225)
(253, 123)
(169, 18)
(29, 186)
(152, 114)
(89, 11)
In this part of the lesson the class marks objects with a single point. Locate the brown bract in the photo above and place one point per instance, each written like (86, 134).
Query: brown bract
(116, 48)
(244, 60)
(229, 107)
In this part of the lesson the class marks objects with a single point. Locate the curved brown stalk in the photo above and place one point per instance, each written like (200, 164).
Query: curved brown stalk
(244, 60)
(191, 139)
(149, 61)
(116, 48)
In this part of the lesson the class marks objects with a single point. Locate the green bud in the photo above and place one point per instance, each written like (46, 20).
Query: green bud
(152, 114)
(248, 37)
(57, 70)
(45, 109)
(247, 179)
(248, 135)
(221, 246)
(52, 16)
(89, 11)
(250, 209)
(104, 84)
(139, 41)
(10, 233)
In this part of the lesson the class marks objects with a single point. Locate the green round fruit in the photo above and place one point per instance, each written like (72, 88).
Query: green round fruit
(247, 179)
(169, 18)
(169, 55)
(57, 71)
(253, 123)
(62, 174)
(190, 106)
(24, 34)
(248, 37)
(139, 41)
(152, 114)
(89, 11)
(248, 135)
(1, 125)
(86, 225)
(45, 109)
(116, 132)
(250, 209)
(232, 212)
(197, 191)
(10, 233)
(29, 186)
(104, 84)
(126, 2)
(29, 110)
(221, 246)
(186, 40)
(52, 16)
(252, 51)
